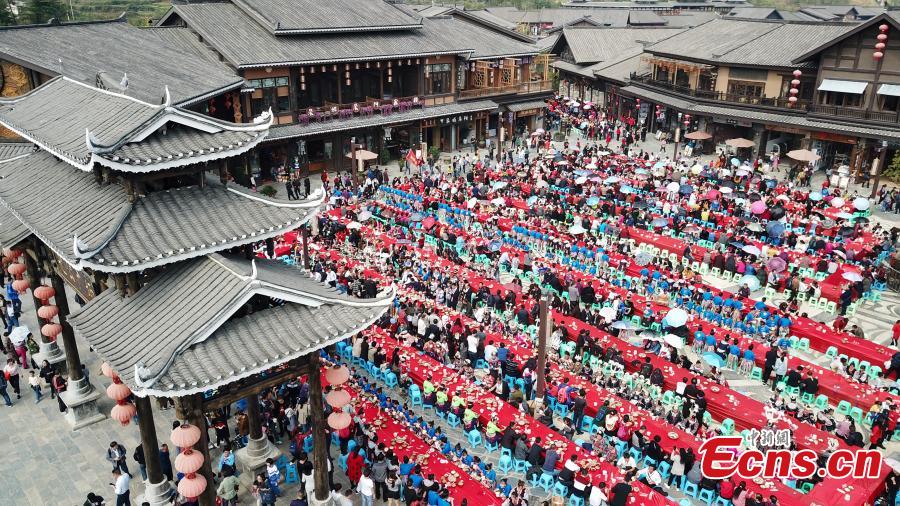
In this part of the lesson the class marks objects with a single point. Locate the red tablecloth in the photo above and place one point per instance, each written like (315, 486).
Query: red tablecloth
(472, 490)
(421, 367)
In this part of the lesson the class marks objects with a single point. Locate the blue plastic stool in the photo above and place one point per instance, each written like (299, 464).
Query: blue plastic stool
(291, 476)
(453, 420)
(505, 464)
(546, 481)
(560, 489)
(474, 438)
(690, 489)
(707, 495)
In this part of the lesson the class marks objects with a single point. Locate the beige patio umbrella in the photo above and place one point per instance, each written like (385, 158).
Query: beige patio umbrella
(803, 155)
(363, 154)
(740, 142)
(698, 136)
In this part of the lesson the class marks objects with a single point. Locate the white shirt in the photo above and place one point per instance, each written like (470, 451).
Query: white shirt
(122, 484)
(473, 343)
(597, 497)
(490, 352)
(679, 387)
(366, 486)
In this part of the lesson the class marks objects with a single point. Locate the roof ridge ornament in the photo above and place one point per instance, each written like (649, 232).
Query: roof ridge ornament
(167, 101)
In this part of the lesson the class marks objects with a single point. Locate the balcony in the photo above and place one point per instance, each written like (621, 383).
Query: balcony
(719, 97)
(855, 113)
(518, 88)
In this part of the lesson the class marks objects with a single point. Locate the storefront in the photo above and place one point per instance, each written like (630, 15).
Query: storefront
(835, 150)
(454, 132)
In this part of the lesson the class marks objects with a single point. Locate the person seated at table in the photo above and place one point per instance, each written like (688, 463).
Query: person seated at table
(492, 432)
(653, 449)
(627, 462)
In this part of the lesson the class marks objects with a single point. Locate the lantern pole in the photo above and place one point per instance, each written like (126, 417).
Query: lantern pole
(80, 396)
(49, 349)
(543, 333)
(882, 159)
(190, 409)
(319, 432)
(158, 490)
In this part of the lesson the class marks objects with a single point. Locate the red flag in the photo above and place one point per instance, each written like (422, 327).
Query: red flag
(411, 157)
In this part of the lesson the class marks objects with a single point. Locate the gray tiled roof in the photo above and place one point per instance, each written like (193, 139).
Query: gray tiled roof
(760, 116)
(333, 16)
(592, 45)
(748, 42)
(114, 235)
(645, 18)
(619, 69)
(247, 44)
(13, 149)
(359, 122)
(57, 115)
(180, 142)
(560, 17)
(179, 333)
(12, 231)
(86, 49)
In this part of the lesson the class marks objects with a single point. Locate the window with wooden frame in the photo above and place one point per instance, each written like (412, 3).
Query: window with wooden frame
(438, 78)
(271, 92)
(746, 89)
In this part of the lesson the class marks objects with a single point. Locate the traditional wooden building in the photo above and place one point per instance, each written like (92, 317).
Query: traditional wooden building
(784, 85)
(383, 76)
(131, 205)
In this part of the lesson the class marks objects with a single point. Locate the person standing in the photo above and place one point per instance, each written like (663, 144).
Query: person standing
(34, 381)
(59, 386)
(11, 372)
(3, 390)
(116, 454)
(142, 462)
(122, 487)
(366, 488)
(228, 488)
(274, 476)
(165, 462)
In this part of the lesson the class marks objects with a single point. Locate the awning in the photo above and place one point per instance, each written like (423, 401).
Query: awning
(889, 89)
(527, 106)
(855, 87)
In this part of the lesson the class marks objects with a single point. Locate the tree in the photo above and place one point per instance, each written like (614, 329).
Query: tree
(42, 11)
(892, 171)
(7, 18)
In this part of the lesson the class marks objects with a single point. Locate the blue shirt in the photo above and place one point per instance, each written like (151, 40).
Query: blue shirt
(734, 350)
(415, 480)
(501, 354)
(406, 468)
(749, 355)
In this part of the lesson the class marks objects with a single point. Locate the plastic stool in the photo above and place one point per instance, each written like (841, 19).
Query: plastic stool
(707, 495)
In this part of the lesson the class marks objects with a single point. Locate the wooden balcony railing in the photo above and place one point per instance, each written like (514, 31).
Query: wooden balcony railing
(855, 113)
(717, 96)
(520, 88)
(368, 107)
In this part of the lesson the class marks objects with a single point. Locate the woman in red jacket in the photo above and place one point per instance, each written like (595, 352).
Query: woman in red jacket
(355, 464)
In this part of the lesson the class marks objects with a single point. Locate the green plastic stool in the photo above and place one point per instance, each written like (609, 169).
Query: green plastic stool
(756, 373)
(844, 408)
(856, 414)
(727, 427)
(831, 352)
(821, 401)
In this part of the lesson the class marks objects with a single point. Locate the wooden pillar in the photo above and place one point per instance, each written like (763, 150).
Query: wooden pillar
(34, 280)
(319, 430)
(253, 418)
(148, 438)
(882, 159)
(73, 361)
(304, 233)
(190, 409)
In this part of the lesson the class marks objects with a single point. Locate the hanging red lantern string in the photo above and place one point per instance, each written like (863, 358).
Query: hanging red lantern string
(882, 42)
(123, 411)
(188, 462)
(795, 88)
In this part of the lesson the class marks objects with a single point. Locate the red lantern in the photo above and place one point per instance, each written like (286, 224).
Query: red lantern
(185, 436)
(794, 91)
(880, 46)
(20, 285)
(44, 292)
(877, 55)
(797, 73)
(792, 100)
(123, 413)
(51, 330)
(48, 312)
(188, 461)
(118, 391)
(338, 398)
(339, 420)
(337, 375)
(795, 82)
(11, 254)
(883, 28)
(107, 370)
(192, 486)
(881, 37)
(16, 269)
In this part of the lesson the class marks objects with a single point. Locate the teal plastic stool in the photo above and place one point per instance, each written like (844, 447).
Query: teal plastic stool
(756, 374)
(690, 489)
(560, 489)
(546, 482)
(474, 438)
(707, 495)
(575, 501)
(505, 464)
(844, 408)
(453, 420)
(821, 401)
(727, 426)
